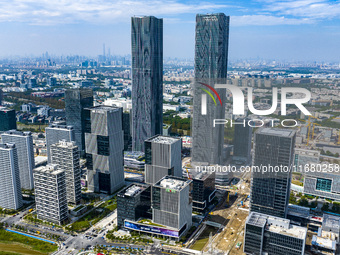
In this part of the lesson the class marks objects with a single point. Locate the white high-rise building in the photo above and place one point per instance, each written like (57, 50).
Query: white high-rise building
(66, 156)
(50, 193)
(10, 190)
(24, 144)
(56, 133)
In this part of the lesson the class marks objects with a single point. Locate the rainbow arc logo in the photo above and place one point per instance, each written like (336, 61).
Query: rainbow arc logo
(204, 97)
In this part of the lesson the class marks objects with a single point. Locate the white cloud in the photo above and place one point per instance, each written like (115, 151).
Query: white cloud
(266, 20)
(46, 12)
(314, 9)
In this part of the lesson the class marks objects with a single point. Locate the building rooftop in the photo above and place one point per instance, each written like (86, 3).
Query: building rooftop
(172, 182)
(163, 139)
(7, 146)
(133, 190)
(202, 175)
(17, 133)
(102, 108)
(65, 144)
(299, 211)
(49, 168)
(324, 242)
(277, 225)
(276, 132)
(58, 126)
(331, 223)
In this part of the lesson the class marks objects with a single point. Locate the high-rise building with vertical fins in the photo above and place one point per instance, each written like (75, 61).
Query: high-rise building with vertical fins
(147, 79)
(211, 59)
(10, 190)
(270, 185)
(24, 143)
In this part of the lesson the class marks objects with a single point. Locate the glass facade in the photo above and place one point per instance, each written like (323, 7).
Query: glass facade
(147, 79)
(8, 120)
(270, 190)
(75, 102)
(324, 184)
(211, 59)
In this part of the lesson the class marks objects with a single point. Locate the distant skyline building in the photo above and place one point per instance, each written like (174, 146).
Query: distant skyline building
(163, 156)
(55, 133)
(50, 194)
(211, 59)
(10, 188)
(242, 141)
(147, 79)
(24, 144)
(8, 119)
(270, 190)
(104, 140)
(66, 156)
(76, 100)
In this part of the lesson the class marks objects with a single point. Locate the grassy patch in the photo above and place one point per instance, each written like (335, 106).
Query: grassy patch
(40, 247)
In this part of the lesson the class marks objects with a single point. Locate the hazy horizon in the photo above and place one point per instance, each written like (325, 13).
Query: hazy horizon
(303, 30)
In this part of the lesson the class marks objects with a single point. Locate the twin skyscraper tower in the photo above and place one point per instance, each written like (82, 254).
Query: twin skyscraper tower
(211, 58)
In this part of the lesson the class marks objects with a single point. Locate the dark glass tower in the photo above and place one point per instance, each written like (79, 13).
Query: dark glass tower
(242, 141)
(7, 119)
(270, 189)
(147, 79)
(211, 58)
(75, 102)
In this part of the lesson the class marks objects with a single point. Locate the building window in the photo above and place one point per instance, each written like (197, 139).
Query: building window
(103, 145)
(324, 184)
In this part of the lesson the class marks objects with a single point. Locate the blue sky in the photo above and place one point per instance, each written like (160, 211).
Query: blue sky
(265, 29)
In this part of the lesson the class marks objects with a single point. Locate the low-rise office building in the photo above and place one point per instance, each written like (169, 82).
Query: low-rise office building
(133, 203)
(265, 234)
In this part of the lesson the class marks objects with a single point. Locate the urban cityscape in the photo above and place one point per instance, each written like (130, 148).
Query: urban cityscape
(146, 154)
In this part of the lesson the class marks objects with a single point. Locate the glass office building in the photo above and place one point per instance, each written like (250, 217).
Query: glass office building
(76, 100)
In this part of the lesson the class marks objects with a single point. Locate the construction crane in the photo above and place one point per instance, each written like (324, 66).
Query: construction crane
(309, 125)
(314, 124)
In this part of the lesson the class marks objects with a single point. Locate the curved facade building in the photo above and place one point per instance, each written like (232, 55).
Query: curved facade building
(147, 79)
(211, 59)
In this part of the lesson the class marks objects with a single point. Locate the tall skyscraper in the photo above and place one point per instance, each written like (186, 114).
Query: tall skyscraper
(55, 133)
(163, 156)
(50, 194)
(147, 79)
(10, 190)
(66, 156)
(24, 144)
(211, 58)
(242, 141)
(270, 187)
(104, 148)
(76, 100)
(8, 119)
